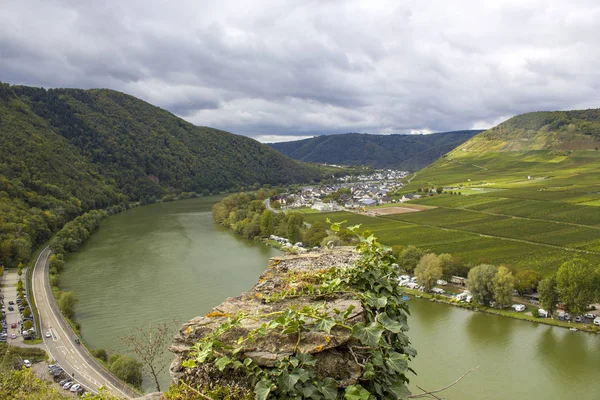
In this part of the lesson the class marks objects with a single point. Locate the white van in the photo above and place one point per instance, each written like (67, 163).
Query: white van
(542, 313)
(597, 321)
(518, 307)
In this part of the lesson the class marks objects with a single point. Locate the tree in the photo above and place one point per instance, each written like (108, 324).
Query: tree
(315, 234)
(148, 344)
(503, 287)
(66, 303)
(294, 223)
(577, 285)
(26, 312)
(126, 368)
(548, 294)
(100, 354)
(266, 223)
(448, 264)
(409, 258)
(480, 283)
(526, 280)
(428, 270)
(27, 325)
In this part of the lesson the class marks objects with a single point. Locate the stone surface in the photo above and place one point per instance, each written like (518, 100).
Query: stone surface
(283, 273)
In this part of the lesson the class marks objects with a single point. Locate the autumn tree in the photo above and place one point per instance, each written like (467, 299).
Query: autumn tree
(148, 344)
(577, 285)
(480, 283)
(548, 294)
(428, 270)
(503, 287)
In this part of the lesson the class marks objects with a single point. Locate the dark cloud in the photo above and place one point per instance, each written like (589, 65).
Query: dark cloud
(274, 69)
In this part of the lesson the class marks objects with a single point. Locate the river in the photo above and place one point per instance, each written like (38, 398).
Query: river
(169, 260)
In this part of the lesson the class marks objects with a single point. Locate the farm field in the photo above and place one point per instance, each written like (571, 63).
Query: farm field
(476, 237)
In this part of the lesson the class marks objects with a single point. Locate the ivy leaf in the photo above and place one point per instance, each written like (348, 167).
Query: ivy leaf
(397, 362)
(262, 390)
(400, 390)
(308, 390)
(189, 363)
(356, 392)
(307, 359)
(389, 323)
(329, 389)
(287, 381)
(222, 362)
(368, 335)
(325, 325)
(369, 371)
(377, 302)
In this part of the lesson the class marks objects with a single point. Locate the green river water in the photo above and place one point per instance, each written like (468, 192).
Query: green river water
(169, 260)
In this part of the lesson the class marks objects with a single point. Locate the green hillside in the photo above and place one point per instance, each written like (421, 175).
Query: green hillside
(529, 196)
(67, 151)
(407, 152)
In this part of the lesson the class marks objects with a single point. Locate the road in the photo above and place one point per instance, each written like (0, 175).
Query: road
(268, 206)
(74, 359)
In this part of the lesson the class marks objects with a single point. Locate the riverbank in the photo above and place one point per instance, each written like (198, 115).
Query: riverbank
(502, 312)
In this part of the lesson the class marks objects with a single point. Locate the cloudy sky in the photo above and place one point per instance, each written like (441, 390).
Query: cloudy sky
(279, 70)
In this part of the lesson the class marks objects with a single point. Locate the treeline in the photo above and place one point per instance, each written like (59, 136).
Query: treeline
(246, 215)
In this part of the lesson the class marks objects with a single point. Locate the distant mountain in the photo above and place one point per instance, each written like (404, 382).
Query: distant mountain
(409, 152)
(67, 151)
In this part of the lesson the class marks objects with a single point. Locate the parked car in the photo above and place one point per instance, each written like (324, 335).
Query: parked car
(542, 313)
(61, 383)
(13, 336)
(48, 334)
(27, 363)
(590, 316)
(441, 282)
(578, 318)
(10, 308)
(438, 290)
(11, 303)
(597, 321)
(68, 385)
(75, 387)
(13, 325)
(80, 391)
(518, 307)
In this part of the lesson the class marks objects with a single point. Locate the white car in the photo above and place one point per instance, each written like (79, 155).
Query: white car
(48, 334)
(438, 290)
(597, 321)
(590, 316)
(441, 282)
(519, 307)
(27, 363)
(68, 385)
(75, 387)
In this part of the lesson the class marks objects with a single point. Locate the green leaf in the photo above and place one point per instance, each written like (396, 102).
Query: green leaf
(400, 390)
(397, 362)
(369, 371)
(308, 390)
(307, 359)
(222, 362)
(262, 390)
(368, 335)
(356, 392)
(189, 363)
(287, 381)
(329, 389)
(325, 325)
(390, 324)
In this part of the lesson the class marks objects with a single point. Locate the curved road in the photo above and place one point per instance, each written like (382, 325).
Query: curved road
(74, 359)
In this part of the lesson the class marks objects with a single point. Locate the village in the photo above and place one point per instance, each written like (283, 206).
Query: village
(350, 193)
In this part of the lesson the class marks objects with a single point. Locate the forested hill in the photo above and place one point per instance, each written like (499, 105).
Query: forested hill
(66, 151)
(410, 152)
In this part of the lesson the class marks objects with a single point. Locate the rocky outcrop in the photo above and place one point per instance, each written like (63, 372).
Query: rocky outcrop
(284, 273)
